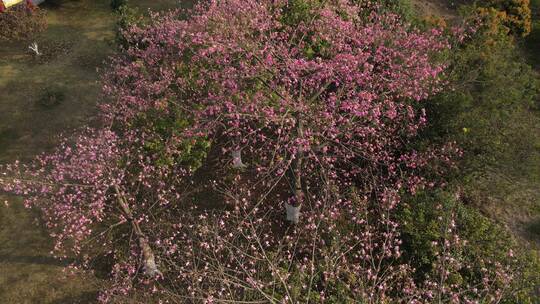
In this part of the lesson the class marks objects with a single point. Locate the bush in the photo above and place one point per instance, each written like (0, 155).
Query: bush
(118, 4)
(486, 244)
(515, 14)
(51, 97)
(488, 106)
(22, 23)
(127, 17)
(532, 42)
(404, 8)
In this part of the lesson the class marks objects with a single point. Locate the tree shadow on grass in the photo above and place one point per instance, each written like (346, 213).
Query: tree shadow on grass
(54, 4)
(82, 298)
(532, 42)
(533, 230)
(7, 135)
(37, 259)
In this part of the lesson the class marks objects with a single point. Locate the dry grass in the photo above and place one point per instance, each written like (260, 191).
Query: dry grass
(447, 9)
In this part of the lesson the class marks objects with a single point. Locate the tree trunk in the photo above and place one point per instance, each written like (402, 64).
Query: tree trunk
(149, 260)
(293, 208)
(237, 159)
(293, 213)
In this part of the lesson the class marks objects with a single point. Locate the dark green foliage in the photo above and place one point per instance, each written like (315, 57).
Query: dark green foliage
(532, 42)
(490, 106)
(299, 11)
(193, 152)
(127, 17)
(425, 220)
(403, 8)
(117, 4)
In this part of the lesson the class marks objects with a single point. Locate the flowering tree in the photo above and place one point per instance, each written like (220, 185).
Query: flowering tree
(302, 90)
(317, 102)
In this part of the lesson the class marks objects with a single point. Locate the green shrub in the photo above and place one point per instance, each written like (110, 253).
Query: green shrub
(532, 42)
(489, 105)
(117, 4)
(403, 8)
(424, 220)
(127, 17)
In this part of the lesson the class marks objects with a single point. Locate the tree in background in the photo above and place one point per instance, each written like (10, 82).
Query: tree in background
(515, 14)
